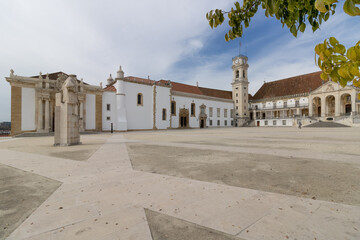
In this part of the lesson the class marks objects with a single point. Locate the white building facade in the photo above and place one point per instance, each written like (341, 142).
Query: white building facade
(132, 103)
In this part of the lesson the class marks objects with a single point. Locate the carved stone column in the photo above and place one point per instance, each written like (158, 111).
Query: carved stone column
(47, 116)
(40, 115)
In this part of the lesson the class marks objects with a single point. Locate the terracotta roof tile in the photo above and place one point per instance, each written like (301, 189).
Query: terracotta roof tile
(110, 88)
(147, 81)
(289, 86)
(180, 87)
(216, 93)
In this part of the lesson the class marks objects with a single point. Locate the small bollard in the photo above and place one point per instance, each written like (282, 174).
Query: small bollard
(112, 130)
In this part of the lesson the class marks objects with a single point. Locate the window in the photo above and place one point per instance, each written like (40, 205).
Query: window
(173, 108)
(232, 113)
(274, 122)
(225, 113)
(237, 101)
(164, 114)
(284, 122)
(218, 122)
(218, 112)
(139, 99)
(202, 109)
(232, 123)
(108, 118)
(237, 107)
(244, 88)
(193, 109)
(245, 108)
(108, 107)
(225, 123)
(266, 123)
(210, 122)
(237, 94)
(237, 74)
(244, 100)
(210, 111)
(243, 73)
(244, 94)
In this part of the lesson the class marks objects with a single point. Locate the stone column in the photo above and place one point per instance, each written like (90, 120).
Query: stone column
(337, 105)
(323, 104)
(81, 109)
(47, 116)
(353, 102)
(310, 107)
(40, 115)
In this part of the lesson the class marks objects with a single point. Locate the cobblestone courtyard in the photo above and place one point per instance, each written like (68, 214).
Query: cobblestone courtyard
(226, 183)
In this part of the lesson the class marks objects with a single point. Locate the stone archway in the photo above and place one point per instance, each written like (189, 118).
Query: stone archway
(330, 106)
(183, 118)
(316, 107)
(345, 104)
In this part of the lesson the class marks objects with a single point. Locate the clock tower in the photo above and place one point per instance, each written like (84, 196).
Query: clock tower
(240, 89)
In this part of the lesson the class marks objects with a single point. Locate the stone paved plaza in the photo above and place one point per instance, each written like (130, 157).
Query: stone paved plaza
(226, 183)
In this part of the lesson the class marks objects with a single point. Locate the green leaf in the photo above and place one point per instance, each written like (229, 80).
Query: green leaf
(338, 58)
(351, 9)
(351, 54)
(237, 5)
(293, 30)
(327, 15)
(320, 5)
(333, 41)
(339, 49)
(324, 76)
(302, 27)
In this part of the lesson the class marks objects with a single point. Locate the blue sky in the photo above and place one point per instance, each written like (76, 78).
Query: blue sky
(163, 39)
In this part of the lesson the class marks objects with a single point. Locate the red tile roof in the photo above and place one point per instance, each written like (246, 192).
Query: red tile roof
(216, 93)
(147, 81)
(110, 88)
(289, 86)
(180, 87)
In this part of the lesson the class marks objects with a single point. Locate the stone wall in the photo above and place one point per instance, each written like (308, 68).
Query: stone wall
(15, 110)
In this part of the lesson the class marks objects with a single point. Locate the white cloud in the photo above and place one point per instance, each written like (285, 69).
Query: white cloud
(92, 38)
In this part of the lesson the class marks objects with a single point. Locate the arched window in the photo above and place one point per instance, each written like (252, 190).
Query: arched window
(139, 99)
(243, 73)
(237, 74)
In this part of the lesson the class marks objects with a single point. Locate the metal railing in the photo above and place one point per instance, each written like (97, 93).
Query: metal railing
(276, 106)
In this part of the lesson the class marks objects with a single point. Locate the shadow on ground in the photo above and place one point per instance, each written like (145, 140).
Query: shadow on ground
(310, 178)
(164, 227)
(21, 193)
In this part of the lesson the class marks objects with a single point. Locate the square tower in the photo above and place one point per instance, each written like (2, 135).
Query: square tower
(240, 89)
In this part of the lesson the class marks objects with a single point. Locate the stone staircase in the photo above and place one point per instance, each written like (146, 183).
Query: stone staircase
(326, 125)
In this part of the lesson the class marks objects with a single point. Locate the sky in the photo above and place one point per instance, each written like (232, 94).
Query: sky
(162, 39)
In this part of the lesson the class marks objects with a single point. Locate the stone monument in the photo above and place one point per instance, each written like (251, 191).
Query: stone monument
(67, 114)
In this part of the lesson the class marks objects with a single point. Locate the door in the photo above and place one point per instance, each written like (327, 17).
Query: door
(202, 124)
(258, 123)
(183, 118)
